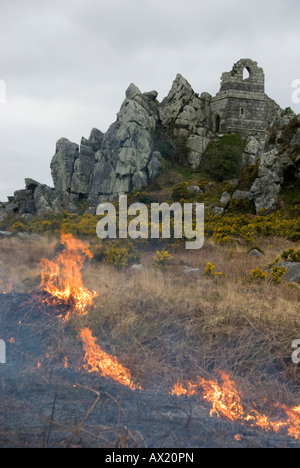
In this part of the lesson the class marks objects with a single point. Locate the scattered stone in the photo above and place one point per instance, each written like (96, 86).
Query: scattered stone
(218, 210)
(137, 267)
(256, 253)
(191, 271)
(225, 198)
(6, 233)
(193, 189)
(293, 271)
(241, 195)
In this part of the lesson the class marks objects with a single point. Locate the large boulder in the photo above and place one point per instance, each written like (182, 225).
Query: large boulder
(293, 271)
(62, 164)
(252, 151)
(183, 107)
(266, 188)
(197, 144)
(24, 201)
(49, 200)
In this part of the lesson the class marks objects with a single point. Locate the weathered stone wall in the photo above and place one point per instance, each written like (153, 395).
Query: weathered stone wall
(241, 104)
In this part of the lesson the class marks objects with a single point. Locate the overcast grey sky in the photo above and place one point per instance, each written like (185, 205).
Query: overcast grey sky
(67, 63)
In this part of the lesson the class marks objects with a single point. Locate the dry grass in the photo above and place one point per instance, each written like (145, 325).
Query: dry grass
(169, 325)
(19, 259)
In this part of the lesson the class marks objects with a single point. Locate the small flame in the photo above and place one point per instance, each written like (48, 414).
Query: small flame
(99, 361)
(293, 423)
(225, 399)
(62, 278)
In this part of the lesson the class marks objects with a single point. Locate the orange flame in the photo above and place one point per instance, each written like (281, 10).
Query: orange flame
(62, 279)
(225, 399)
(99, 361)
(293, 422)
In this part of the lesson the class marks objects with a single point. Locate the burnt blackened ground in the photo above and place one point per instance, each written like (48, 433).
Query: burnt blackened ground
(44, 404)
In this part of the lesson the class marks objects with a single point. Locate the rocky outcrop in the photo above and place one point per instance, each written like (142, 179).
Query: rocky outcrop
(125, 161)
(127, 157)
(184, 108)
(187, 115)
(102, 166)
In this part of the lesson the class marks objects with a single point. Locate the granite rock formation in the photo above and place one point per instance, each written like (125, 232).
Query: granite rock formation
(128, 157)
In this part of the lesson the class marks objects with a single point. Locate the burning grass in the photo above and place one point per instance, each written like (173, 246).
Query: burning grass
(61, 278)
(96, 360)
(220, 338)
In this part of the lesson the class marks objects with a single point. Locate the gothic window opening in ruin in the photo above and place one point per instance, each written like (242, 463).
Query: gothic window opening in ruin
(242, 111)
(246, 73)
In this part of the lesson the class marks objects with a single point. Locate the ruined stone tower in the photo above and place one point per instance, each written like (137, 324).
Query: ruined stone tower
(241, 105)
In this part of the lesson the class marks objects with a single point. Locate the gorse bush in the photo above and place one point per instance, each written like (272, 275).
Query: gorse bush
(275, 274)
(291, 255)
(248, 227)
(121, 255)
(18, 226)
(162, 259)
(180, 191)
(210, 271)
(257, 274)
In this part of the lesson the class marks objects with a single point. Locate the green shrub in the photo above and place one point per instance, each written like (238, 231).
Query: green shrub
(223, 157)
(180, 191)
(248, 177)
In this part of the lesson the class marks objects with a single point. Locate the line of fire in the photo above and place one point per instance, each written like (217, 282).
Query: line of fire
(65, 298)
